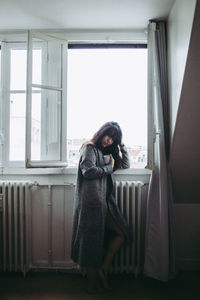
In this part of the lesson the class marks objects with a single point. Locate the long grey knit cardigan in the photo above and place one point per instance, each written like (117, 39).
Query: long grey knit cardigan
(91, 205)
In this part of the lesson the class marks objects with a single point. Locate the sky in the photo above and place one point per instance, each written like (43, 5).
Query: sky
(108, 85)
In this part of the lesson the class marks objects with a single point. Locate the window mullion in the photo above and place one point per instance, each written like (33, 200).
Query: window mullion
(46, 87)
(63, 149)
(17, 91)
(5, 77)
(28, 100)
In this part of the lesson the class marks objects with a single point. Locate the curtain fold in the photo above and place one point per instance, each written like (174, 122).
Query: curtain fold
(159, 241)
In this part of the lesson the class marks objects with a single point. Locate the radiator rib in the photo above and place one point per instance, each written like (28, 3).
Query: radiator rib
(128, 199)
(15, 196)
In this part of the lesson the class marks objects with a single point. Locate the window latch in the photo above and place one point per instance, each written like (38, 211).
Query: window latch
(156, 133)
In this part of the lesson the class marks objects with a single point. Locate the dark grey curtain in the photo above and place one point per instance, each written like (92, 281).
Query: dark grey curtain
(161, 41)
(160, 244)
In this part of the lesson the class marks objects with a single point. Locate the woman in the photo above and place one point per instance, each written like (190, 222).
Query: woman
(95, 212)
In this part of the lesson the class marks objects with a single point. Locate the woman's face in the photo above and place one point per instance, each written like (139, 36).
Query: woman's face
(106, 141)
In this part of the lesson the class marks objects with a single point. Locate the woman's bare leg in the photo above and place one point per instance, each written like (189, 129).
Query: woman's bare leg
(115, 243)
(112, 249)
(92, 281)
(91, 278)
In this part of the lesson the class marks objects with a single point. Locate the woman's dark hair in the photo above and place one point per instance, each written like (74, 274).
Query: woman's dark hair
(113, 130)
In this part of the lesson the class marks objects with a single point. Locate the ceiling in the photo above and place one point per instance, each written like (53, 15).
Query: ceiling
(81, 14)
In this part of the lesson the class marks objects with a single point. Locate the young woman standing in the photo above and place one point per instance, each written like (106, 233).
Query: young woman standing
(95, 211)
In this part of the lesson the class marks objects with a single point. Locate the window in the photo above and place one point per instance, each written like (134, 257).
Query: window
(107, 83)
(34, 99)
(17, 102)
(13, 84)
(46, 111)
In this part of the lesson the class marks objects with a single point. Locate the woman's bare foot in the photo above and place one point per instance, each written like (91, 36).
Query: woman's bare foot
(92, 290)
(103, 279)
(93, 284)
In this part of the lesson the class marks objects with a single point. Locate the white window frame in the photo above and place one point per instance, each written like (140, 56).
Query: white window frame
(150, 121)
(6, 91)
(46, 163)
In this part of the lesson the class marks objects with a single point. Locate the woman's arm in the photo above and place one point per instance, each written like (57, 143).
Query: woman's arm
(125, 162)
(88, 165)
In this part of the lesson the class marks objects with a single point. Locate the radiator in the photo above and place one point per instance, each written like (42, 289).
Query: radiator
(13, 221)
(44, 213)
(128, 195)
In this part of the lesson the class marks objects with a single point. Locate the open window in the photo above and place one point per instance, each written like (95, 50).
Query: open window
(46, 101)
(99, 81)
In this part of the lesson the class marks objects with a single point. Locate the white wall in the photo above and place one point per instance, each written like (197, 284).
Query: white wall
(180, 23)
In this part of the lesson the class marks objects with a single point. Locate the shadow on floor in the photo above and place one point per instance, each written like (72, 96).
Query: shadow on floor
(59, 285)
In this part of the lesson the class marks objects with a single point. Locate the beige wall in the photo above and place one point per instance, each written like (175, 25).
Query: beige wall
(185, 162)
(184, 84)
(179, 30)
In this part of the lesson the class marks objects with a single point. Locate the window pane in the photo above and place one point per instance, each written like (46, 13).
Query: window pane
(107, 85)
(46, 67)
(17, 126)
(36, 126)
(45, 130)
(0, 65)
(37, 65)
(18, 69)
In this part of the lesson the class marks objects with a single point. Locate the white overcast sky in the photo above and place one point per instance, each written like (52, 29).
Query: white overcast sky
(108, 85)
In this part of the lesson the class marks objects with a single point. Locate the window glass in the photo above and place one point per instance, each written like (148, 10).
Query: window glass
(18, 103)
(46, 67)
(45, 130)
(37, 65)
(36, 126)
(17, 126)
(107, 85)
(18, 69)
(0, 64)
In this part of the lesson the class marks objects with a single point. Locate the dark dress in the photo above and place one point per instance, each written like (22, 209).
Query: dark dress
(93, 197)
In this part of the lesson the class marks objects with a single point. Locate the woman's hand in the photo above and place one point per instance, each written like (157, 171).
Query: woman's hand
(119, 148)
(121, 144)
(112, 161)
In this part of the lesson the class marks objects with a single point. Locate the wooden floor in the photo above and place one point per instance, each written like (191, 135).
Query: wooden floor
(58, 285)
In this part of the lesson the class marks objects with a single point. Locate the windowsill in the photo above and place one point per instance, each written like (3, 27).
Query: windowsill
(66, 171)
